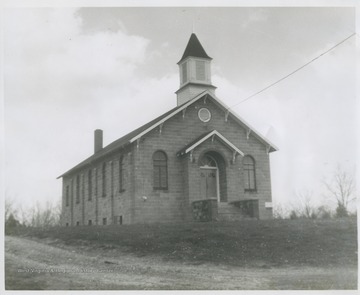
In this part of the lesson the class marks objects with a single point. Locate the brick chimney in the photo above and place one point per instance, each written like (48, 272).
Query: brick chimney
(98, 140)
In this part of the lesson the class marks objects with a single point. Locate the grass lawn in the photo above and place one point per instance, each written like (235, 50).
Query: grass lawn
(249, 243)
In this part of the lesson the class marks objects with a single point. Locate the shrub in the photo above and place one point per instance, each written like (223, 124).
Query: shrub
(293, 215)
(10, 224)
(324, 213)
(341, 211)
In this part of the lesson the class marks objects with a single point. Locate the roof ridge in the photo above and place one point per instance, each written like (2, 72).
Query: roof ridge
(142, 130)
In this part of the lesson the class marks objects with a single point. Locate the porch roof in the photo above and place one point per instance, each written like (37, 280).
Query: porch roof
(205, 137)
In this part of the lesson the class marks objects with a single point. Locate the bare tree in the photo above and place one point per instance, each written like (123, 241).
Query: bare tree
(324, 212)
(280, 211)
(9, 207)
(304, 207)
(43, 216)
(341, 188)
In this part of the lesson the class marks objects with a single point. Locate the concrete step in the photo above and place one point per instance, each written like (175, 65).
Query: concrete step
(230, 212)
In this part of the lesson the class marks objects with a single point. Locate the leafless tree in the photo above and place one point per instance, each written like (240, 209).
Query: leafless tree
(324, 212)
(280, 211)
(304, 207)
(9, 207)
(39, 215)
(341, 188)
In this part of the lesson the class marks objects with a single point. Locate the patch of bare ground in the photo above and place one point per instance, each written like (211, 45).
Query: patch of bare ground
(189, 258)
(31, 265)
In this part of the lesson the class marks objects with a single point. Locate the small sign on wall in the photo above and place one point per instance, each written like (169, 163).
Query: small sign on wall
(268, 205)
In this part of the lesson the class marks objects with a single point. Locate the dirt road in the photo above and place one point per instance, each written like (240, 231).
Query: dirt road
(51, 265)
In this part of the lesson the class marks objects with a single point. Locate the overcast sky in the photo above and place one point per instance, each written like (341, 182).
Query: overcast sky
(69, 71)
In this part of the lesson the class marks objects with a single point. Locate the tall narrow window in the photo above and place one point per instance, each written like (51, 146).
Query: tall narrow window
(249, 173)
(83, 188)
(121, 174)
(96, 182)
(78, 189)
(90, 185)
(184, 72)
(200, 70)
(118, 219)
(104, 179)
(111, 178)
(67, 196)
(160, 170)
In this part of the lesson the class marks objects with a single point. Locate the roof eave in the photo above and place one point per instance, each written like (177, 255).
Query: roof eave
(273, 147)
(196, 84)
(206, 137)
(192, 56)
(93, 158)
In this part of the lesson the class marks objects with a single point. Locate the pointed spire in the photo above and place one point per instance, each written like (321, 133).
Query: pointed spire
(194, 49)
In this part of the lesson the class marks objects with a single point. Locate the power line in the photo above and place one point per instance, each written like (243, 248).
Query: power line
(293, 72)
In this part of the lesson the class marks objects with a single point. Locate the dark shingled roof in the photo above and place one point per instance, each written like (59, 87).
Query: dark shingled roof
(194, 48)
(118, 144)
(125, 140)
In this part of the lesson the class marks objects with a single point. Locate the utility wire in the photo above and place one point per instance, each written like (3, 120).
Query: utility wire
(298, 69)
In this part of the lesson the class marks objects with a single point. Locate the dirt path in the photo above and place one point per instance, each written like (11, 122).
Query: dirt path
(31, 264)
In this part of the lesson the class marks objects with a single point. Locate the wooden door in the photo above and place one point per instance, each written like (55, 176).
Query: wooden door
(208, 183)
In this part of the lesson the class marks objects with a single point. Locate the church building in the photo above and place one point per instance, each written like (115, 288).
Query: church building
(197, 162)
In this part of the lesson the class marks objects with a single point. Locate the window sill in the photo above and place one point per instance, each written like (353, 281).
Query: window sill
(164, 190)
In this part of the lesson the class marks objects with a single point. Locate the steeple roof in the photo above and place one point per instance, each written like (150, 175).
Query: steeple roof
(194, 48)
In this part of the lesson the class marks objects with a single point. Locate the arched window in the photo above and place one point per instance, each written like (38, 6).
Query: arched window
(121, 174)
(104, 179)
(160, 170)
(208, 161)
(249, 173)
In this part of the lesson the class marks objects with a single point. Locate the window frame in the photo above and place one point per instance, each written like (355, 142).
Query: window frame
(103, 170)
(249, 170)
(77, 196)
(200, 70)
(121, 174)
(90, 184)
(67, 196)
(184, 72)
(160, 170)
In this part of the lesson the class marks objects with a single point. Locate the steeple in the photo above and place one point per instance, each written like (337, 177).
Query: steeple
(194, 49)
(195, 71)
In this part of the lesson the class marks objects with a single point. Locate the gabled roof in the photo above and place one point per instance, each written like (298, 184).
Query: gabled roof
(271, 146)
(141, 131)
(119, 143)
(204, 137)
(194, 48)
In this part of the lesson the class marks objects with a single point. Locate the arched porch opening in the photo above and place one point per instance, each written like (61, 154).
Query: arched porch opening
(213, 184)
